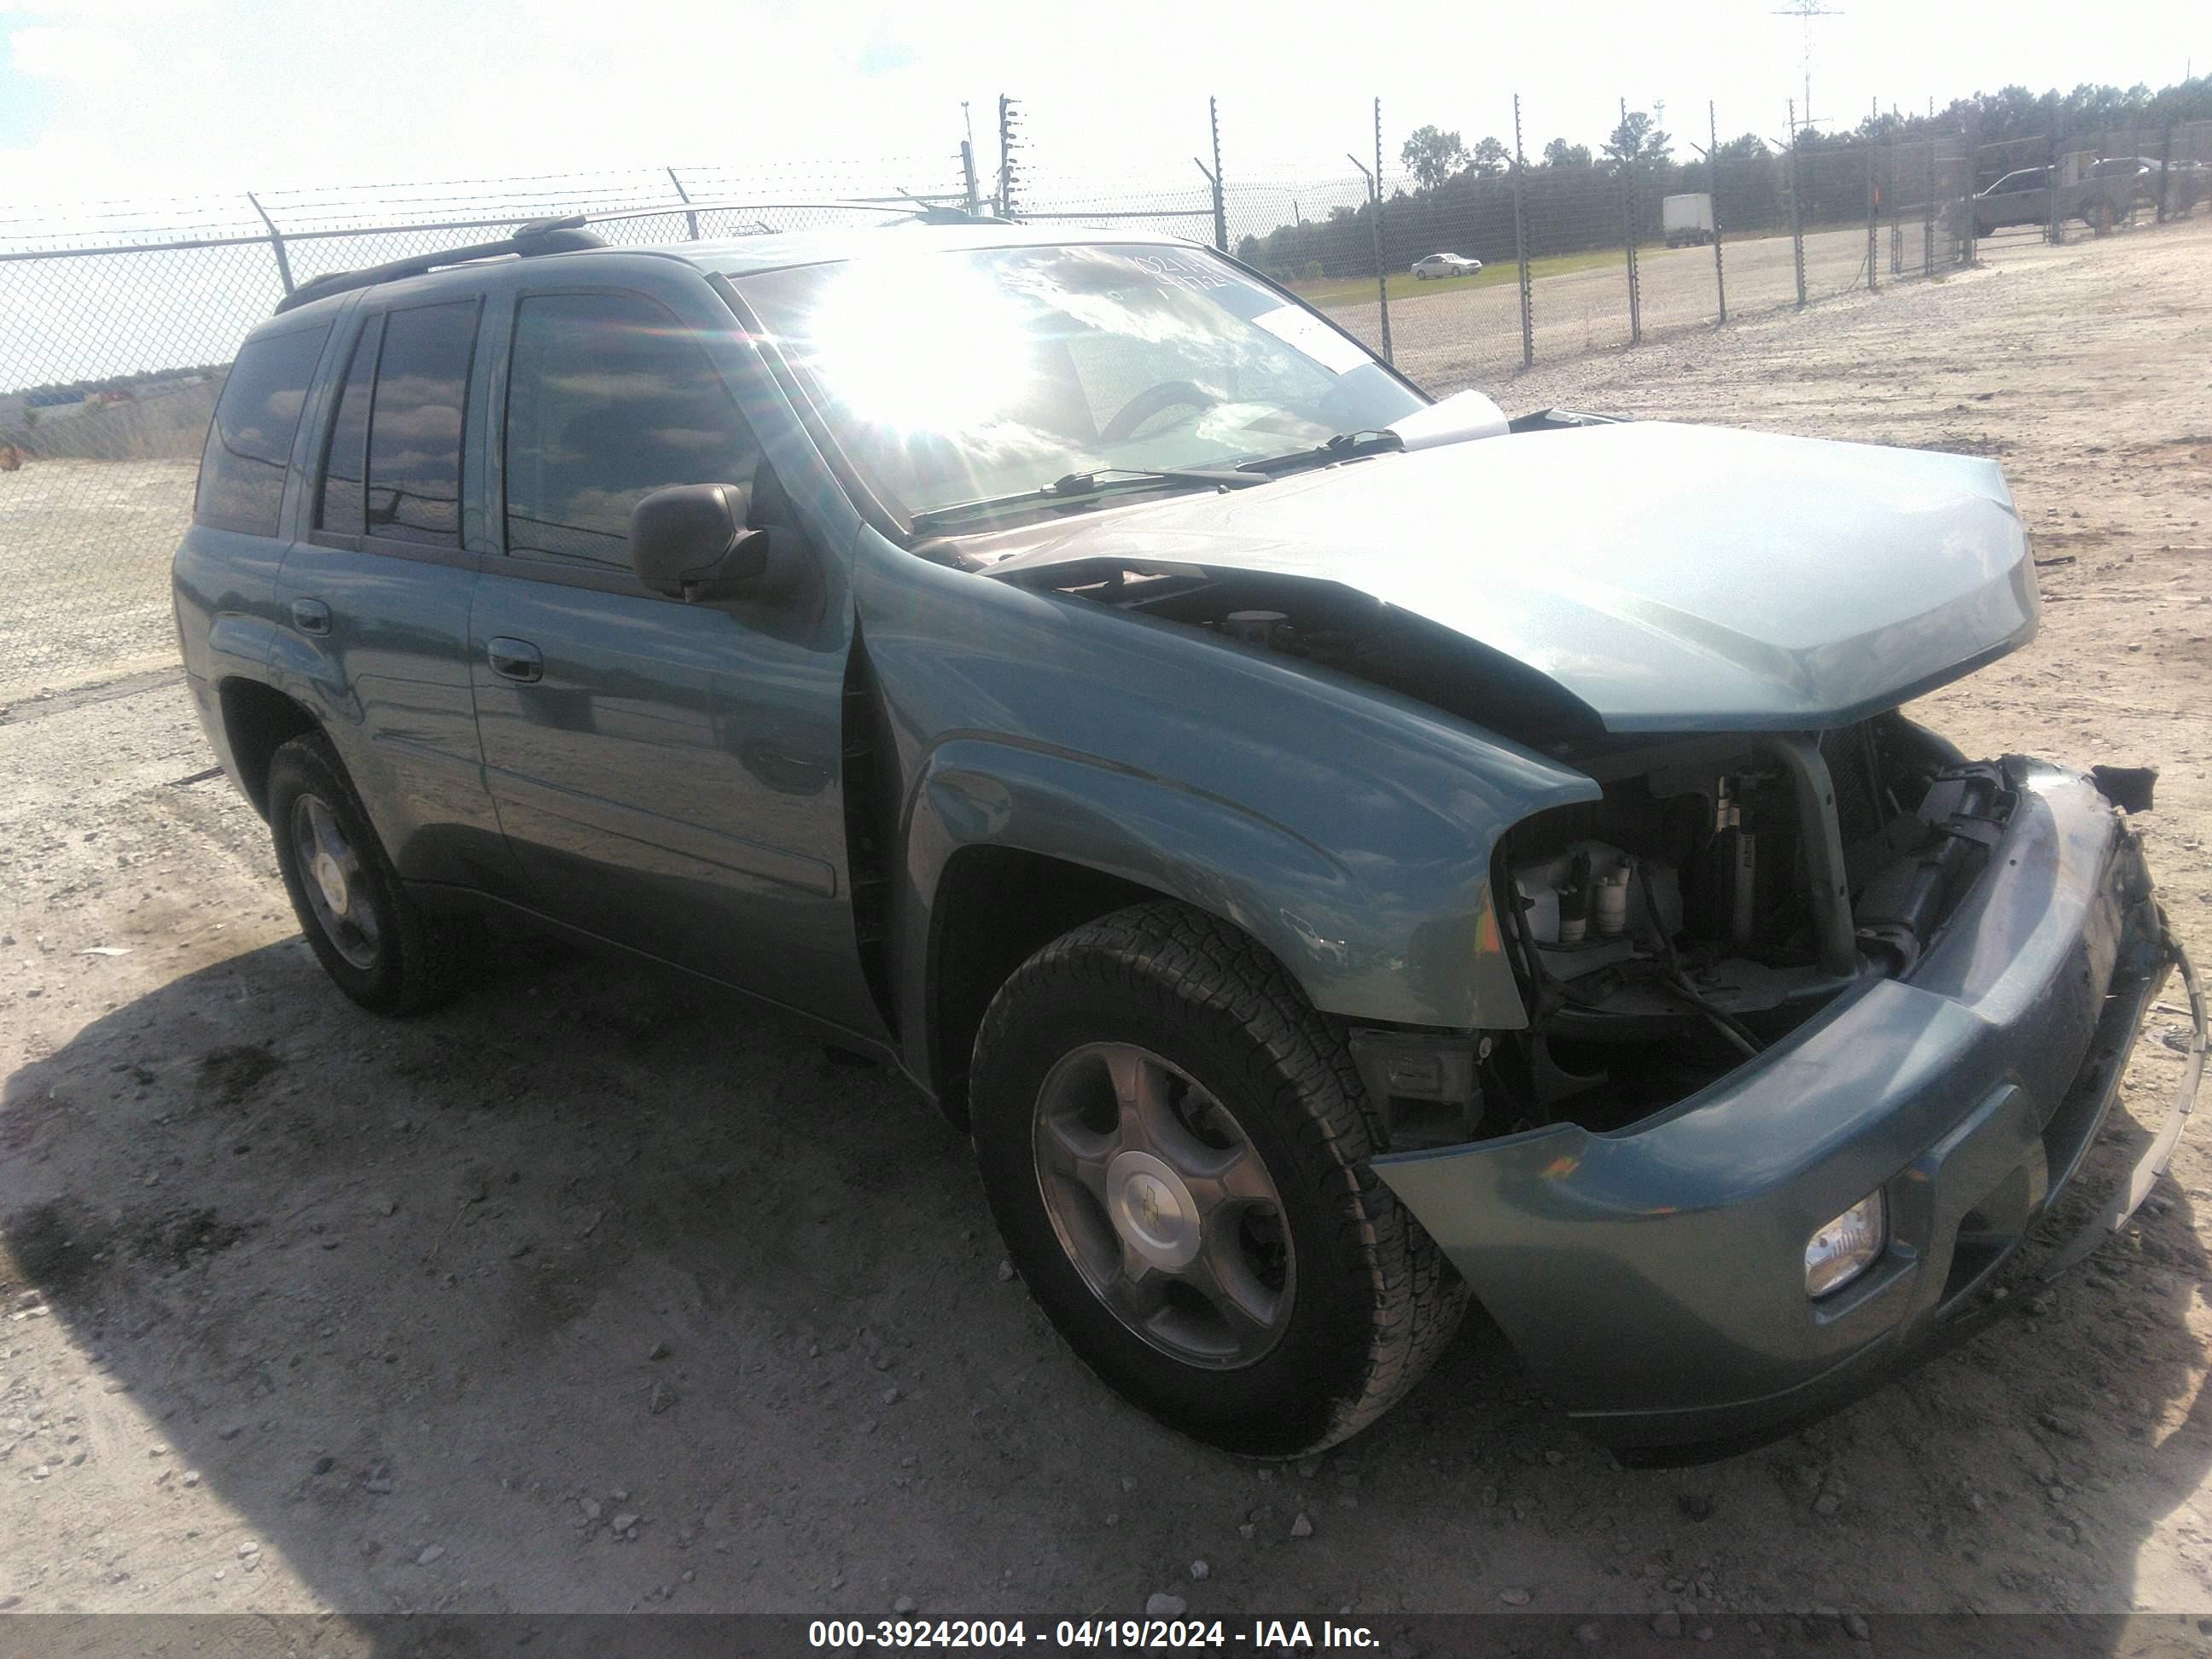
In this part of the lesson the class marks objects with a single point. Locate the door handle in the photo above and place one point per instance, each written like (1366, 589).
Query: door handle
(516, 660)
(310, 616)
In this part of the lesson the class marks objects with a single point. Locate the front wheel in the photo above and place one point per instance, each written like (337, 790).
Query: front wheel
(1173, 1146)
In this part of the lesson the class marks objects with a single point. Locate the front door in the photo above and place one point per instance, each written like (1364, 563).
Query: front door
(667, 773)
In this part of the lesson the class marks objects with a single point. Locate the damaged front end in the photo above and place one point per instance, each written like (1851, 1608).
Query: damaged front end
(1721, 892)
(1816, 1016)
(1819, 1029)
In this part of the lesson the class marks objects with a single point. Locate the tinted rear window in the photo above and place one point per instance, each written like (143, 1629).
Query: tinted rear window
(249, 443)
(415, 430)
(341, 507)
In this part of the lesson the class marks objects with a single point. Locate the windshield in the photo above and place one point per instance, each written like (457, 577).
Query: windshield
(958, 377)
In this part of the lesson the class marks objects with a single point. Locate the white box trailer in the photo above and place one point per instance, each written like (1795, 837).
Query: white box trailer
(1686, 219)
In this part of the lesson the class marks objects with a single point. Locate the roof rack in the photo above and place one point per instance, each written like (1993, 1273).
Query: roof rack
(568, 234)
(913, 209)
(561, 236)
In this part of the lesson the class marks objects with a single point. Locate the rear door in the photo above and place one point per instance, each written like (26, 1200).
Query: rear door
(668, 774)
(373, 601)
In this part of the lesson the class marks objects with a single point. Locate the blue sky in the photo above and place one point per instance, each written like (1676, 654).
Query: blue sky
(105, 99)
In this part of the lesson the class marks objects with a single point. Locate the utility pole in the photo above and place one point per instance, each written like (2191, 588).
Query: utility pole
(1805, 11)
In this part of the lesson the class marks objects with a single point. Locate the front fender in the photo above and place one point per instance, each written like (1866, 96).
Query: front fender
(1345, 828)
(1388, 952)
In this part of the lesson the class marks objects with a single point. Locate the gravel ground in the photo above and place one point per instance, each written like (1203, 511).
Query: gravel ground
(579, 1295)
(84, 558)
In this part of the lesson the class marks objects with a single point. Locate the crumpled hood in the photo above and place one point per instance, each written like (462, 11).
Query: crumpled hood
(1671, 578)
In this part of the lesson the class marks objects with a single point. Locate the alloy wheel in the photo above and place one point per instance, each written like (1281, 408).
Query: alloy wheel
(1163, 1206)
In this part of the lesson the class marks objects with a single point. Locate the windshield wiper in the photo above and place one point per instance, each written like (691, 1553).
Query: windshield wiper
(1344, 446)
(1074, 486)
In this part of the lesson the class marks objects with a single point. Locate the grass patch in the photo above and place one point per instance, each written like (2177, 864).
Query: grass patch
(1355, 290)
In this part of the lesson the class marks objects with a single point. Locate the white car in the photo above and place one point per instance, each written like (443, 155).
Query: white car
(1445, 265)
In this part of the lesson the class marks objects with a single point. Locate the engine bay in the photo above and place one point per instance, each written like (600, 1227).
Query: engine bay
(1723, 892)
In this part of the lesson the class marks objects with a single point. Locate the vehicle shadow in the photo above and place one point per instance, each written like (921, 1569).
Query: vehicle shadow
(587, 1295)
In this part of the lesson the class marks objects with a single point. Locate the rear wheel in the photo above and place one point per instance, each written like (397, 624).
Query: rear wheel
(382, 949)
(1174, 1147)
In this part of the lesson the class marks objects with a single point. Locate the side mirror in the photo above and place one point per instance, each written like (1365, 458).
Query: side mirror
(691, 542)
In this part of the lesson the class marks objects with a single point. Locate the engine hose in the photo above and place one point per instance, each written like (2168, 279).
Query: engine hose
(1675, 981)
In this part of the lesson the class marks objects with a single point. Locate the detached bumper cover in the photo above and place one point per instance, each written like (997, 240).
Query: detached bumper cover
(1652, 1280)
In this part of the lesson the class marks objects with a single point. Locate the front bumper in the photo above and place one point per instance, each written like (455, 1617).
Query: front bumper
(1652, 1279)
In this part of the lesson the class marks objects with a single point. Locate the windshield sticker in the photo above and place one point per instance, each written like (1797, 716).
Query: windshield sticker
(1307, 335)
(1186, 274)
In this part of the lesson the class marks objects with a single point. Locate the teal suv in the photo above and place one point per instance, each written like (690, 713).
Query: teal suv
(1341, 855)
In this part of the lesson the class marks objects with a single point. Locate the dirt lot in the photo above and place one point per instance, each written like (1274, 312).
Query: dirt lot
(579, 1296)
(84, 556)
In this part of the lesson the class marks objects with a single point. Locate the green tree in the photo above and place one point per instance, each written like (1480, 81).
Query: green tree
(1490, 158)
(1561, 153)
(1748, 185)
(1638, 138)
(1432, 155)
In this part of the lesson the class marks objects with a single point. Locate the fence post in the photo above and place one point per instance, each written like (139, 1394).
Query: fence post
(1713, 172)
(2164, 168)
(276, 242)
(1213, 184)
(1874, 216)
(1521, 240)
(1220, 203)
(1793, 178)
(1968, 230)
(968, 176)
(1896, 218)
(2051, 233)
(691, 218)
(1382, 271)
(1628, 226)
(1007, 126)
(1928, 231)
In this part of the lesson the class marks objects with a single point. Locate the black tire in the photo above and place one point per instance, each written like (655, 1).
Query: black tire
(397, 958)
(1372, 1302)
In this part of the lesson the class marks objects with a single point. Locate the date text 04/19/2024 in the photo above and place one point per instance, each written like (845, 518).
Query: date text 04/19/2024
(1255, 1635)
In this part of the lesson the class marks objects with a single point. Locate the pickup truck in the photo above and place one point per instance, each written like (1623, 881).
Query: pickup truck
(1340, 857)
(2105, 196)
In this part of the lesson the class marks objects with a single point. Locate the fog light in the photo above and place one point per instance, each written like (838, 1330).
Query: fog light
(1846, 1247)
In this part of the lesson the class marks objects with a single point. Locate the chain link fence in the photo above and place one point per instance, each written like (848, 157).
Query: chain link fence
(123, 316)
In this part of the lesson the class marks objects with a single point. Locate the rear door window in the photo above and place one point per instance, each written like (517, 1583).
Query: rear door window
(342, 509)
(608, 400)
(414, 485)
(249, 443)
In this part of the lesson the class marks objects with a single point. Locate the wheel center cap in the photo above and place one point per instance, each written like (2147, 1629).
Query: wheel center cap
(1153, 1210)
(331, 879)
